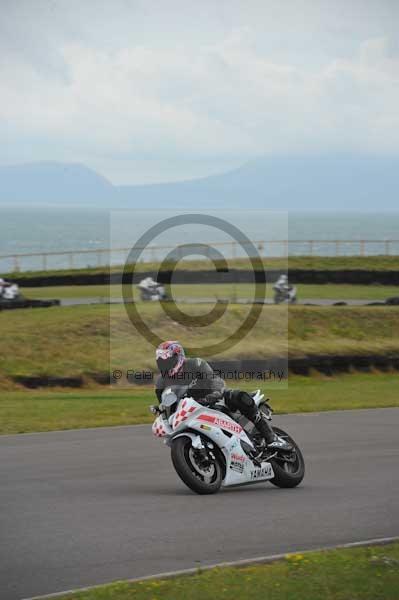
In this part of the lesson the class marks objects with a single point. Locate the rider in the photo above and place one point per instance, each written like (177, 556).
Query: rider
(282, 283)
(8, 290)
(207, 388)
(152, 288)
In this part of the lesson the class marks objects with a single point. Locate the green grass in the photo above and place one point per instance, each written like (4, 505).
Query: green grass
(75, 341)
(311, 292)
(73, 291)
(347, 292)
(24, 411)
(369, 573)
(294, 262)
(57, 341)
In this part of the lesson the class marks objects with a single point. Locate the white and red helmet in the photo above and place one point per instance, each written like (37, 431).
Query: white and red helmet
(170, 357)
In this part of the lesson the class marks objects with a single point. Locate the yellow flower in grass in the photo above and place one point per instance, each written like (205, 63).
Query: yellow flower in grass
(294, 557)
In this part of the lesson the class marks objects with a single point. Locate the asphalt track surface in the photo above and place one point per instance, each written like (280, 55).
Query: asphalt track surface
(90, 506)
(316, 301)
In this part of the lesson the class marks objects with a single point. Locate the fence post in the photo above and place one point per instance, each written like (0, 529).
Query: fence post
(16, 264)
(361, 247)
(233, 250)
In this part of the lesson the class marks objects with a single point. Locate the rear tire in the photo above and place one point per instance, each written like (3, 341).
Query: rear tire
(288, 474)
(183, 459)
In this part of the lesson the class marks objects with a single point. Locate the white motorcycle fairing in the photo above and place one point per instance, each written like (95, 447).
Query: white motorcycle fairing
(197, 422)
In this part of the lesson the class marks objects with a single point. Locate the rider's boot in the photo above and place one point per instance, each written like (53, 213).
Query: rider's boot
(239, 400)
(273, 441)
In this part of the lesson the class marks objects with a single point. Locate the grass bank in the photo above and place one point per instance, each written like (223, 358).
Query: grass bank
(25, 411)
(75, 341)
(367, 573)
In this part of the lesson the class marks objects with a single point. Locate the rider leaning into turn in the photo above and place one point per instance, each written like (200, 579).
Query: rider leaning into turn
(282, 284)
(207, 388)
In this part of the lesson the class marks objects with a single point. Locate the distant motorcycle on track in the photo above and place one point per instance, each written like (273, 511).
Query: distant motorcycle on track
(283, 292)
(213, 448)
(151, 290)
(288, 295)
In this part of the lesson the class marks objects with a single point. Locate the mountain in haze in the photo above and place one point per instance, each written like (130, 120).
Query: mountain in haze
(340, 182)
(55, 183)
(285, 183)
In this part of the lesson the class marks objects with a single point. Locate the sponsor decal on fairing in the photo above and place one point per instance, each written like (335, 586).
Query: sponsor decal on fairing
(222, 423)
(239, 457)
(235, 465)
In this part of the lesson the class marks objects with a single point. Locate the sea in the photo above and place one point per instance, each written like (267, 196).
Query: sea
(49, 237)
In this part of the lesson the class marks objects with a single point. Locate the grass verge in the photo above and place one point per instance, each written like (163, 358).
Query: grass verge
(366, 573)
(26, 411)
(75, 341)
(221, 290)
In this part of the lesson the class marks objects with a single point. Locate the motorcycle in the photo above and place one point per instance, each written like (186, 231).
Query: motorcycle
(152, 293)
(213, 447)
(9, 291)
(285, 294)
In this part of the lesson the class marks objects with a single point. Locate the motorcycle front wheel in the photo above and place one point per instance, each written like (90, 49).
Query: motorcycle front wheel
(289, 468)
(200, 476)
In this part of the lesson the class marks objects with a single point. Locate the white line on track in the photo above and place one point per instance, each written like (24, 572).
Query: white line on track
(236, 563)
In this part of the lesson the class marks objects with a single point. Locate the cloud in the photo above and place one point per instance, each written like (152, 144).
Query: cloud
(224, 96)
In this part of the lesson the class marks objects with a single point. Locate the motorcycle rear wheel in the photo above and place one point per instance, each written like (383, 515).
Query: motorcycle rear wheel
(191, 472)
(288, 474)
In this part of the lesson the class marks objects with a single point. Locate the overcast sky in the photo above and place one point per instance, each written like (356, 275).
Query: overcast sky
(160, 90)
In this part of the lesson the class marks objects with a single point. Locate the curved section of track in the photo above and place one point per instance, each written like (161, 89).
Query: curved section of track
(314, 301)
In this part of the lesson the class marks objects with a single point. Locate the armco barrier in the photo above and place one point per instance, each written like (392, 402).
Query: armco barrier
(326, 364)
(353, 276)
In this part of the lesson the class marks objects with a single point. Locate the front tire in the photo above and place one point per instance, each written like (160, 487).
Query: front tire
(288, 474)
(190, 470)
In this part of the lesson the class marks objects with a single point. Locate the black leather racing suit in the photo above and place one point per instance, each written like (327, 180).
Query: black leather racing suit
(204, 383)
(207, 387)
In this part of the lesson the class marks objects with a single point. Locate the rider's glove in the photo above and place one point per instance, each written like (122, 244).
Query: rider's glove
(227, 394)
(212, 398)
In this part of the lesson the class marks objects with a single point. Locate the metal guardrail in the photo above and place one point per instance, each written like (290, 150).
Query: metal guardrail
(267, 248)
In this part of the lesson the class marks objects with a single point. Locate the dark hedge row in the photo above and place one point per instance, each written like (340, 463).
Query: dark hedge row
(327, 364)
(353, 276)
